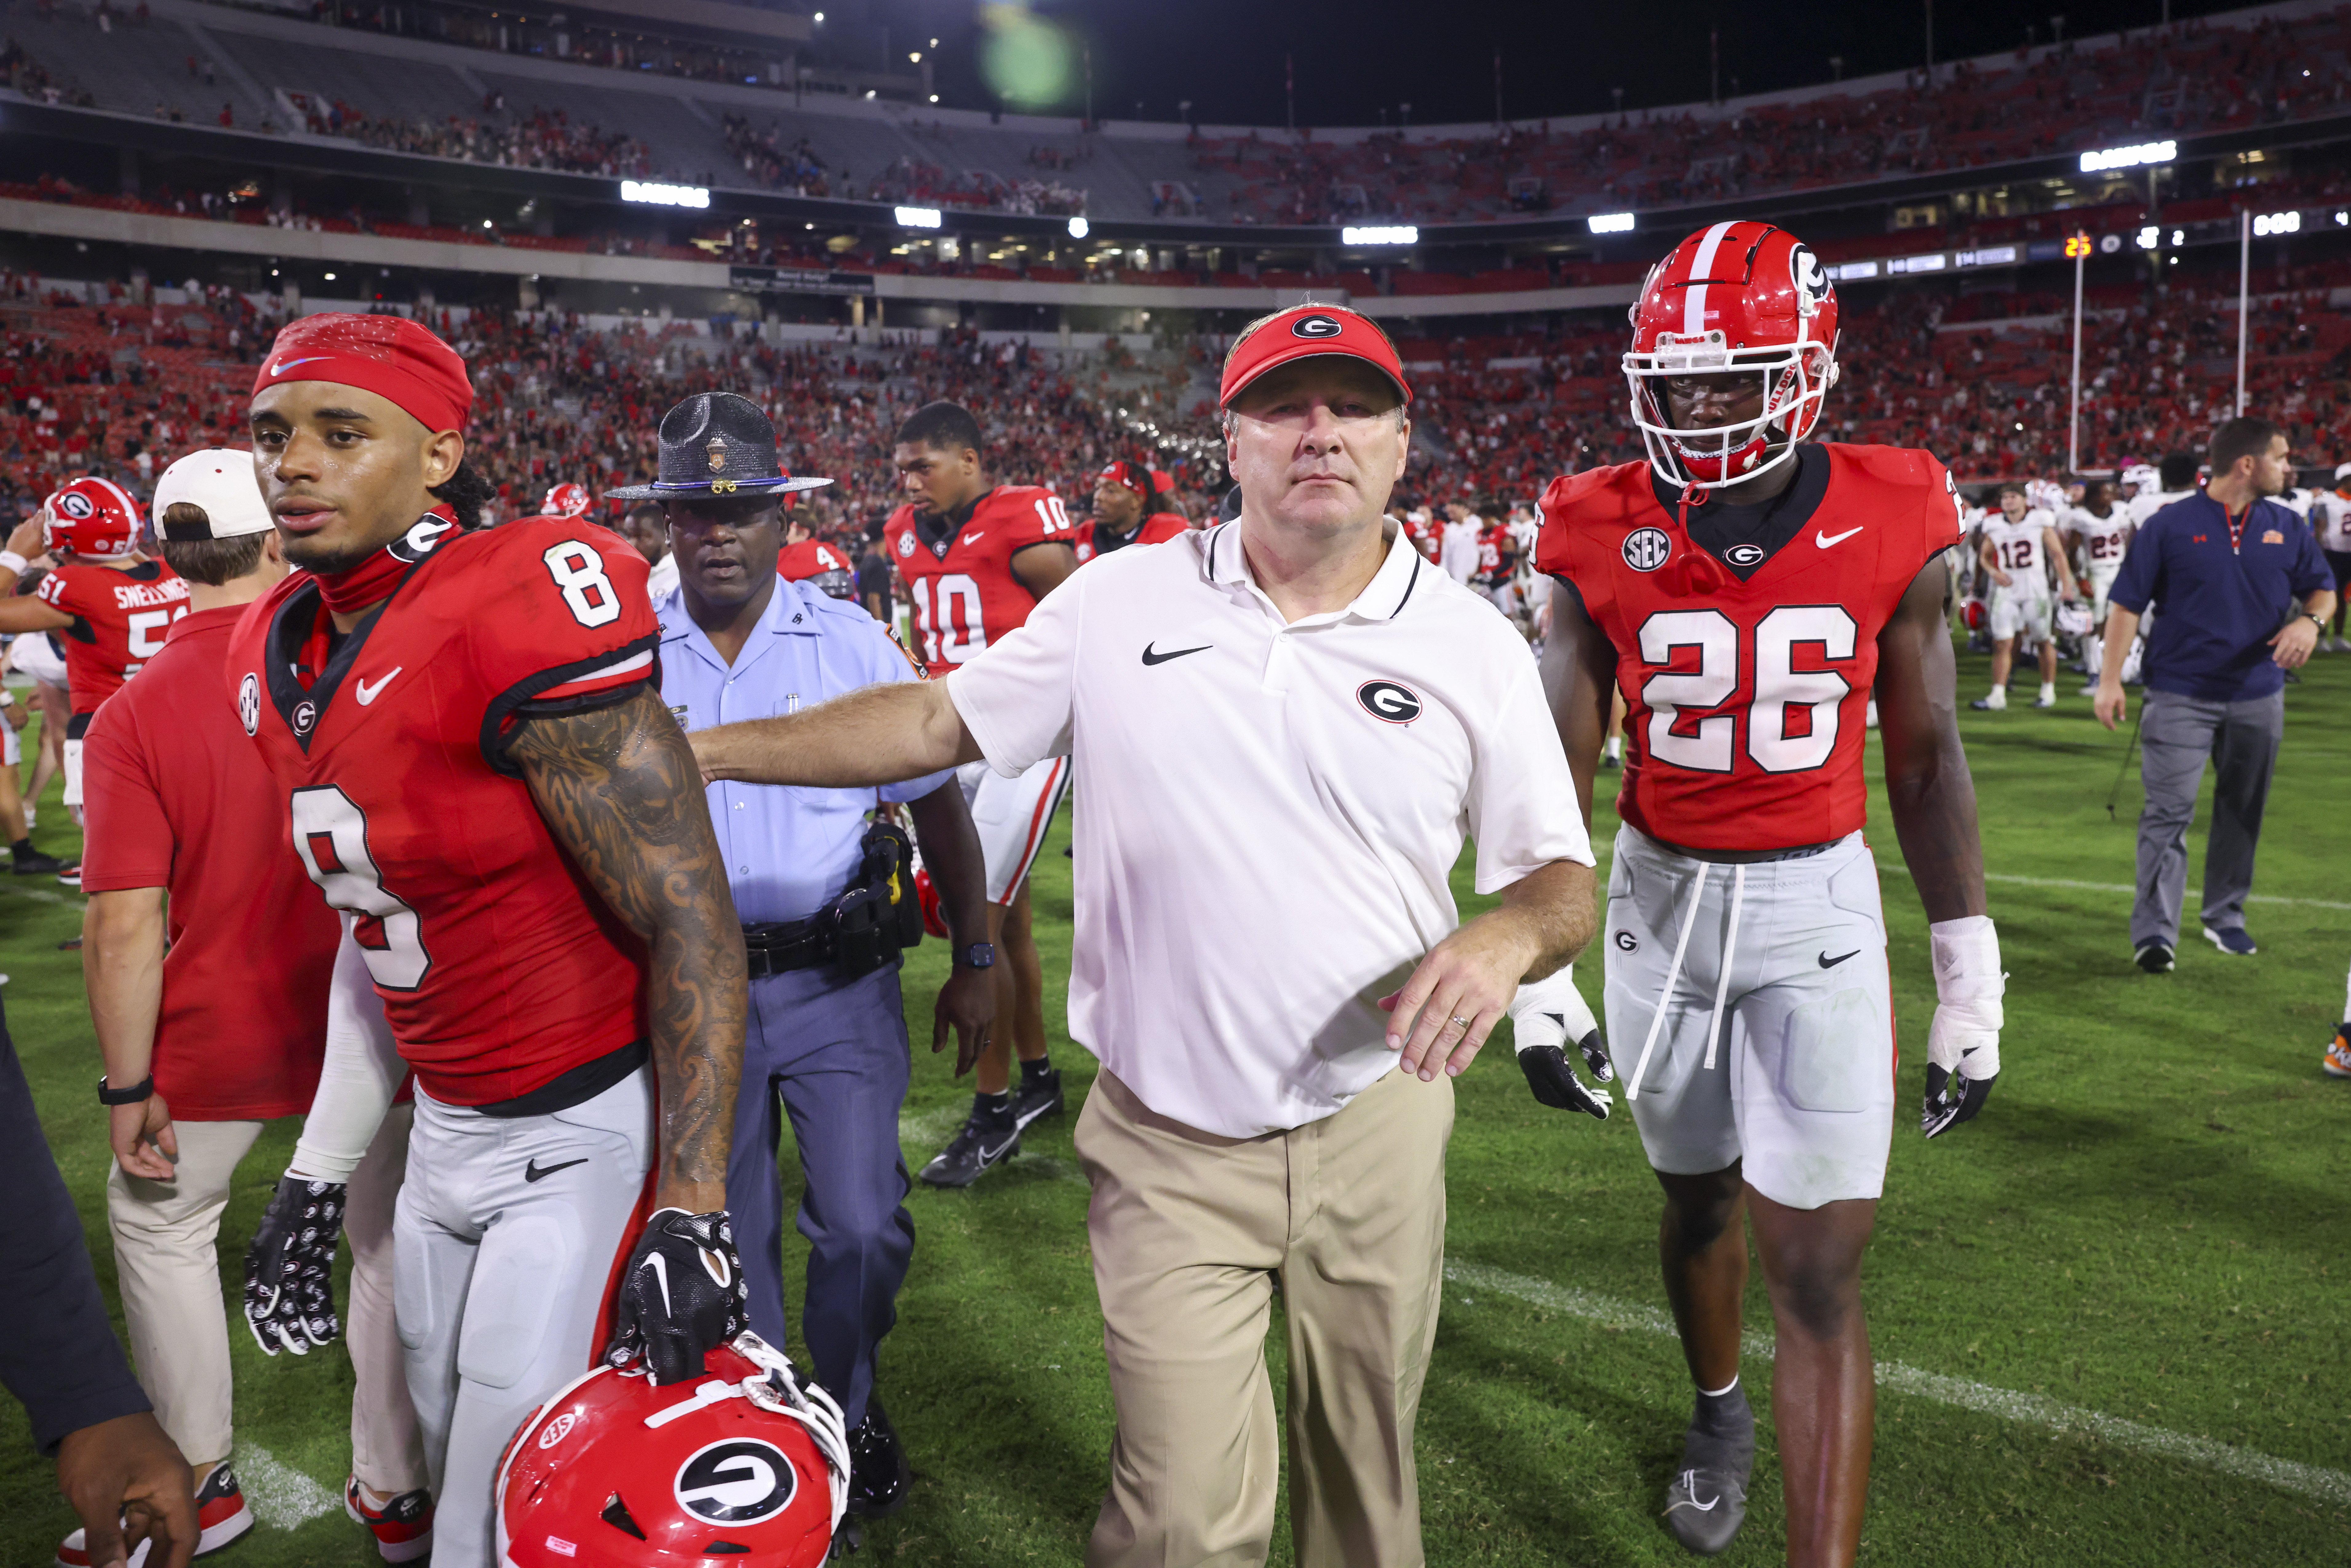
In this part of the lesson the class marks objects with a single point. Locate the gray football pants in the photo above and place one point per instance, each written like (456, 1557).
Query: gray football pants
(2177, 733)
(505, 1236)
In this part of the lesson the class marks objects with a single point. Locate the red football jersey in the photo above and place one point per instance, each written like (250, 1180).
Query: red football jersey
(1746, 700)
(963, 589)
(498, 969)
(120, 620)
(1494, 545)
(1427, 538)
(1156, 528)
(810, 557)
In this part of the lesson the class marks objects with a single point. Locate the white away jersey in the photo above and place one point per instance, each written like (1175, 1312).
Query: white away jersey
(2103, 539)
(2017, 547)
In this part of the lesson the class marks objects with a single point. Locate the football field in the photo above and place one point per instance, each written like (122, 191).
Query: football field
(2104, 1314)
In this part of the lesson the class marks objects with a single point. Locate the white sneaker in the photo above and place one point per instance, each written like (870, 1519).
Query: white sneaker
(1995, 702)
(2048, 697)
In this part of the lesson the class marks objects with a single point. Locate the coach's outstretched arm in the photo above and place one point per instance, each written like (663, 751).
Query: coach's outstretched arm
(1934, 803)
(617, 786)
(882, 735)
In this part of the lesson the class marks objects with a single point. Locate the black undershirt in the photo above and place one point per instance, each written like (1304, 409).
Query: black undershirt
(1722, 528)
(936, 528)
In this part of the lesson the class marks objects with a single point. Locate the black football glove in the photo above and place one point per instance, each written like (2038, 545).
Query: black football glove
(290, 1267)
(682, 1296)
(1963, 1040)
(1554, 1079)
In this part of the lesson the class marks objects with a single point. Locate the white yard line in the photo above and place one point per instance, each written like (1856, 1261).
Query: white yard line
(2026, 1410)
(280, 1496)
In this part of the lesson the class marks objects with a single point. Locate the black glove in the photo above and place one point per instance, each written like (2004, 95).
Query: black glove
(682, 1296)
(290, 1267)
(1953, 1098)
(1554, 1081)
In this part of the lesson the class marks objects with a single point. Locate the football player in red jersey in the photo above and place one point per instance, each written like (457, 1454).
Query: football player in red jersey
(976, 557)
(1124, 496)
(482, 778)
(114, 605)
(1746, 589)
(567, 501)
(807, 559)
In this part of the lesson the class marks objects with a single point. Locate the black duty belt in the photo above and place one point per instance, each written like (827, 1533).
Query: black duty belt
(778, 948)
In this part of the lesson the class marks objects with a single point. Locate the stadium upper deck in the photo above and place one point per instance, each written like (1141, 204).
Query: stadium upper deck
(426, 87)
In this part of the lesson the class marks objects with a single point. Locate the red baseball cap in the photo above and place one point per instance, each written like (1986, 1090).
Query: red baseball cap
(390, 356)
(1305, 332)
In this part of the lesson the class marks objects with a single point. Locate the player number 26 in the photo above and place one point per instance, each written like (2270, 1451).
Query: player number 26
(1779, 687)
(331, 835)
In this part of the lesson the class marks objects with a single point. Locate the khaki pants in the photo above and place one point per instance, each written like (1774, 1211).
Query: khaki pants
(1187, 1230)
(165, 1236)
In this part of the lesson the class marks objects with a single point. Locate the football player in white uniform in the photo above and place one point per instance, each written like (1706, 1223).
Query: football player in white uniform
(2175, 481)
(2019, 544)
(2101, 530)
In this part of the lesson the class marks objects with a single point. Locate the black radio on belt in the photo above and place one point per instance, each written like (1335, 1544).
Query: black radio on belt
(858, 932)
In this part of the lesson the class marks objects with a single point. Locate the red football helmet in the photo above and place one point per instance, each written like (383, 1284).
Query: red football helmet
(1734, 297)
(614, 1472)
(566, 501)
(92, 516)
(926, 893)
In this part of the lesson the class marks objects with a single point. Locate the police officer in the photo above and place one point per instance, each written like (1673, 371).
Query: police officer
(827, 898)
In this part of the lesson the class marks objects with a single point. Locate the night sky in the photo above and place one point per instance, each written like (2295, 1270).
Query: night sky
(1353, 61)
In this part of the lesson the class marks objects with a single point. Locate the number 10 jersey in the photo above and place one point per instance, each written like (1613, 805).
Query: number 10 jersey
(498, 969)
(1746, 679)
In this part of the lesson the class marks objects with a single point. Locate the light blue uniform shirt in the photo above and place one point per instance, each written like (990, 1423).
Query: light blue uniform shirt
(788, 850)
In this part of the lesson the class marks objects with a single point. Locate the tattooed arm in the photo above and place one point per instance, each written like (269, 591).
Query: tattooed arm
(619, 788)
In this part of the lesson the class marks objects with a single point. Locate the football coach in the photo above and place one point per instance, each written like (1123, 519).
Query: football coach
(1282, 728)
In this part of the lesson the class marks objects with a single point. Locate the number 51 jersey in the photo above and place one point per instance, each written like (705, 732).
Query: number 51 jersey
(499, 969)
(1747, 677)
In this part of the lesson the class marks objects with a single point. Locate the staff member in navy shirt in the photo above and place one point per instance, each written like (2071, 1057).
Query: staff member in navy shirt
(2246, 593)
(827, 1031)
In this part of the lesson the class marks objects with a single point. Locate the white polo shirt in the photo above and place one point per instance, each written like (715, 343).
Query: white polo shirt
(1267, 814)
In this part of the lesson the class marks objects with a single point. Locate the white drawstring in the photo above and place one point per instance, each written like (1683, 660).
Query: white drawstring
(1673, 973)
(1730, 950)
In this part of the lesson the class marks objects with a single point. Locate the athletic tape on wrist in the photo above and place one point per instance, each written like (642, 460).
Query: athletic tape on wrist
(1538, 1001)
(10, 560)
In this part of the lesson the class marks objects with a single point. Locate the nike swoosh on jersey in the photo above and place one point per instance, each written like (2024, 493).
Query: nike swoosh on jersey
(282, 366)
(367, 694)
(1152, 656)
(1828, 963)
(532, 1171)
(1825, 540)
(975, 539)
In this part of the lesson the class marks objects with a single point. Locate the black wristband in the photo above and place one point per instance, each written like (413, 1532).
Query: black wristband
(142, 1090)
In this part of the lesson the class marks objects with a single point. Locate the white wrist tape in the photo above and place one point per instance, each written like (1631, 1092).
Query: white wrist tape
(1551, 1011)
(11, 561)
(1969, 986)
(357, 1081)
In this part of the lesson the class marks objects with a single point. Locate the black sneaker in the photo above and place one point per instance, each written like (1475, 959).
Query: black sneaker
(1707, 1501)
(1035, 1096)
(2155, 957)
(878, 1471)
(988, 1139)
(33, 863)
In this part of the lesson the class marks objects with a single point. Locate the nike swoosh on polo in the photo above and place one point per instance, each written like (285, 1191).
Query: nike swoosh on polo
(532, 1171)
(282, 366)
(1151, 655)
(1829, 963)
(1825, 540)
(367, 694)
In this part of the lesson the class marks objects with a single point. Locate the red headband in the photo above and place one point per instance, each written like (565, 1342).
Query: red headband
(390, 356)
(1130, 473)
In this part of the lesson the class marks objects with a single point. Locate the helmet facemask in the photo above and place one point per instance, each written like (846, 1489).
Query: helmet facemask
(1795, 378)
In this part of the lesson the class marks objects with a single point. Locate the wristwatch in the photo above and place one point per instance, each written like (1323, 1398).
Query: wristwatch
(109, 1095)
(979, 956)
(2317, 620)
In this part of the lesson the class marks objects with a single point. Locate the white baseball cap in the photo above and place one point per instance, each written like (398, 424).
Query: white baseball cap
(2341, 469)
(219, 481)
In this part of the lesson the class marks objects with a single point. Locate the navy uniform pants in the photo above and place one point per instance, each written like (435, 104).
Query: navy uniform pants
(831, 1055)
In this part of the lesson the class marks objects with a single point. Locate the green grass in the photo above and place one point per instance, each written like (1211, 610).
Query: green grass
(2144, 1223)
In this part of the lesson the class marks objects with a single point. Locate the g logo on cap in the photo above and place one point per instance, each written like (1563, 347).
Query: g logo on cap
(1316, 326)
(1389, 701)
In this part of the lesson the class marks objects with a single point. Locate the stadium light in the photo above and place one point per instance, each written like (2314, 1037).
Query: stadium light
(2265, 224)
(1080, 229)
(647, 191)
(918, 217)
(1610, 223)
(2129, 157)
(2150, 237)
(1405, 234)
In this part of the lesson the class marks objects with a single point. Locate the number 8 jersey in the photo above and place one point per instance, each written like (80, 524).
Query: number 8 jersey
(499, 970)
(1746, 676)
(962, 585)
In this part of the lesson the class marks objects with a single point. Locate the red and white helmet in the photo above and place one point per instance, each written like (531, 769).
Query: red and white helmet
(1734, 297)
(566, 501)
(93, 516)
(748, 1463)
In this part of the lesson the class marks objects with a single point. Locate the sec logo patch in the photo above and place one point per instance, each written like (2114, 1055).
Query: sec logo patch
(907, 542)
(248, 702)
(1390, 701)
(1645, 549)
